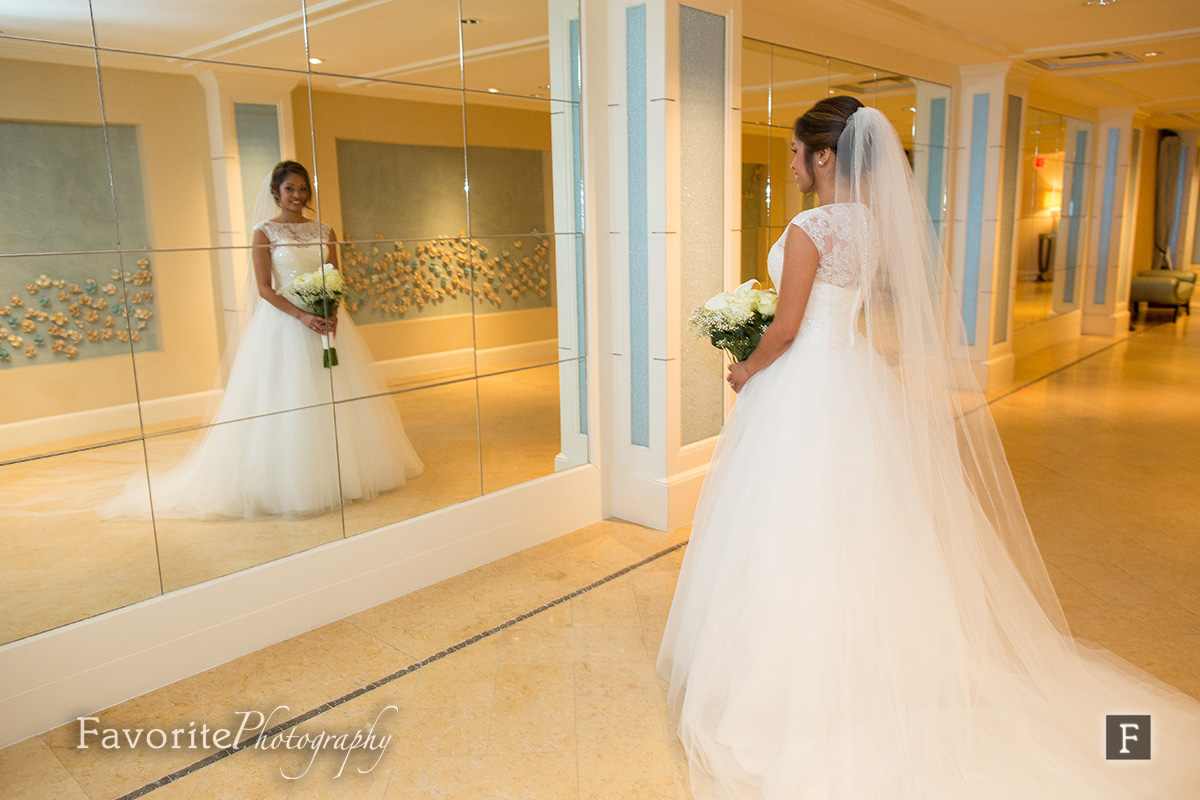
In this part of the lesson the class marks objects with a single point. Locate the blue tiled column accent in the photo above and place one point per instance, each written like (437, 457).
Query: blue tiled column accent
(1112, 153)
(1008, 207)
(639, 285)
(1075, 210)
(259, 150)
(1196, 240)
(702, 106)
(1180, 190)
(976, 179)
(577, 171)
(937, 151)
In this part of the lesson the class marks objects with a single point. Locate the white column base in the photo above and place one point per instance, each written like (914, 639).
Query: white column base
(1056, 330)
(1115, 324)
(995, 372)
(659, 503)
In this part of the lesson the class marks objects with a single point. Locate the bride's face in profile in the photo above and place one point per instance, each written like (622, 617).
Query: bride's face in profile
(804, 179)
(294, 194)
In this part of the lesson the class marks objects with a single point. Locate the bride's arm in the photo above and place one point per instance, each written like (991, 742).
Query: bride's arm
(333, 259)
(333, 249)
(261, 256)
(800, 259)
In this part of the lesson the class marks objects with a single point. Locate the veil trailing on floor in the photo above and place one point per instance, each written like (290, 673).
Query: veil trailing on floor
(99, 478)
(1013, 627)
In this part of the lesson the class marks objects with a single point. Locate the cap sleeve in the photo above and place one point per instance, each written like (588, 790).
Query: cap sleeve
(811, 222)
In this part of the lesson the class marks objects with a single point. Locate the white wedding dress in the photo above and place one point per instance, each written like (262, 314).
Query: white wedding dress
(272, 447)
(823, 645)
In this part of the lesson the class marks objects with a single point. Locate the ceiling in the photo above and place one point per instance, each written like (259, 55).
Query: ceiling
(1166, 87)
(417, 41)
(371, 43)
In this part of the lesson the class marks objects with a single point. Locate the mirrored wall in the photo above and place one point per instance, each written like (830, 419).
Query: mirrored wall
(161, 424)
(781, 83)
(1052, 216)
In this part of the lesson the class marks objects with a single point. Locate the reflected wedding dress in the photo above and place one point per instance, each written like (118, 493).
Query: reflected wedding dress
(272, 448)
(824, 644)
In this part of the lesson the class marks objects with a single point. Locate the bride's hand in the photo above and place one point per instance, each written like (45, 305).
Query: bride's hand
(739, 373)
(316, 324)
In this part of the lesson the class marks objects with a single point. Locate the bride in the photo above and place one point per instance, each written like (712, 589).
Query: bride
(271, 448)
(862, 612)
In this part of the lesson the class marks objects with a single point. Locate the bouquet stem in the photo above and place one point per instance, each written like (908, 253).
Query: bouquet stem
(329, 358)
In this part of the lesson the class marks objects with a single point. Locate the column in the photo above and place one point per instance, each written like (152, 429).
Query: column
(1106, 286)
(569, 280)
(982, 228)
(674, 238)
(930, 149)
(223, 93)
(1070, 258)
(1183, 238)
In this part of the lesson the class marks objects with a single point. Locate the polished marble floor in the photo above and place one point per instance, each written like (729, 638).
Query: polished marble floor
(564, 703)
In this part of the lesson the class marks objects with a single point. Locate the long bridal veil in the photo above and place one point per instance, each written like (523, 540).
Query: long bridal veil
(1016, 643)
(863, 611)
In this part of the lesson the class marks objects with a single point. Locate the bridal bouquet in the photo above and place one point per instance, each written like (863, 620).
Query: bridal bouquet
(320, 292)
(735, 321)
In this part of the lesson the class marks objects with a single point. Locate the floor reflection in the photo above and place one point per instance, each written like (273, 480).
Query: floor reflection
(1034, 302)
(62, 562)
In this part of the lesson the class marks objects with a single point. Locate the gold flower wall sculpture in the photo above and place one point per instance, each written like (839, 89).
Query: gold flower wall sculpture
(77, 318)
(391, 282)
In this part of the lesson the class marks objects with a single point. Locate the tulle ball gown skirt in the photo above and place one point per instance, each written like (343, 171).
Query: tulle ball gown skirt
(276, 446)
(824, 645)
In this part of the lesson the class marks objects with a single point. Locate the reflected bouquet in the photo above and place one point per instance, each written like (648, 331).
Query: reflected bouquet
(320, 292)
(735, 321)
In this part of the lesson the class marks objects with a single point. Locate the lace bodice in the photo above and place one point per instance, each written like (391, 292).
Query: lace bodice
(832, 310)
(296, 248)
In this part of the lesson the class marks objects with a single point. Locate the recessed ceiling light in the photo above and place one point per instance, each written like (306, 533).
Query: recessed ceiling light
(469, 21)
(1152, 54)
(315, 61)
(494, 91)
(544, 86)
(1100, 2)
(912, 109)
(831, 91)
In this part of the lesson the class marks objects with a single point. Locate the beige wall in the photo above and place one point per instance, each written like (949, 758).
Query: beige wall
(375, 119)
(168, 111)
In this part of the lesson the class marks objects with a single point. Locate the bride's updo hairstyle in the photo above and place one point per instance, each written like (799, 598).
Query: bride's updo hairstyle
(281, 171)
(822, 125)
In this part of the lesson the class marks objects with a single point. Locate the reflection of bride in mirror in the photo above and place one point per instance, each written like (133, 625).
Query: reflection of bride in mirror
(272, 447)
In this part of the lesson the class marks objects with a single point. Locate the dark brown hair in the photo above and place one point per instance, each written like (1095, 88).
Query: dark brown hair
(281, 171)
(822, 125)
